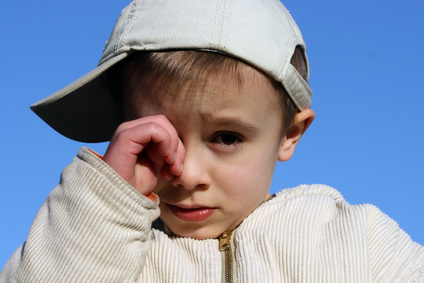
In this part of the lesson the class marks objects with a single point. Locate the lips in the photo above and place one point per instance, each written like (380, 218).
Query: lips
(192, 214)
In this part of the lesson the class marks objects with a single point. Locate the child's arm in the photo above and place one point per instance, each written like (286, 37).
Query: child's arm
(94, 226)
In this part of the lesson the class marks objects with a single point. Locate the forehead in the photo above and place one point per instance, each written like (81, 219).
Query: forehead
(218, 83)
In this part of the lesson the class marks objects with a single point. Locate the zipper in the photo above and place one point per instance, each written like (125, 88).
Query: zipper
(225, 247)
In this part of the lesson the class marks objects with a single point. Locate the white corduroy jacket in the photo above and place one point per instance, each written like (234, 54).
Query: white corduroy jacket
(94, 227)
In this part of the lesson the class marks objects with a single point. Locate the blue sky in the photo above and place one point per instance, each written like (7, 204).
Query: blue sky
(366, 73)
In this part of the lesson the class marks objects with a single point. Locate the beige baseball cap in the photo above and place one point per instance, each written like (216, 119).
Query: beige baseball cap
(259, 32)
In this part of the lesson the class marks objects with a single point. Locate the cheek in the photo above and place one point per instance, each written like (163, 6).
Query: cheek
(249, 178)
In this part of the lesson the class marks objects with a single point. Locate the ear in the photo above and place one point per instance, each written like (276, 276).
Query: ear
(302, 120)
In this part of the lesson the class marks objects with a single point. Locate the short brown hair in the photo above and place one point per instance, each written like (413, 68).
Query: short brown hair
(176, 68)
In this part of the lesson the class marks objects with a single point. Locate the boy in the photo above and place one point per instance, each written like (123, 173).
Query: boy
(212, 94)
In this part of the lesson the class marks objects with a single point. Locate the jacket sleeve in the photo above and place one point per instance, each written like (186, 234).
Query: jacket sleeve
(394, 256)
(93, 227)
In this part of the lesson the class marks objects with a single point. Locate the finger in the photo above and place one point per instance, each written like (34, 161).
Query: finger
(177, 167)
(129, 142)
(163, 122)
(167, 170)
(173, 135)
(134, 140)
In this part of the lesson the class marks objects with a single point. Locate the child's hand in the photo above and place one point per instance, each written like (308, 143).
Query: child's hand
(143, 150)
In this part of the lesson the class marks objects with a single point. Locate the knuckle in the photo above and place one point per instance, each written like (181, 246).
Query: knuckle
(122, 134)
(161, 117)
(152, 127)
(120, 128)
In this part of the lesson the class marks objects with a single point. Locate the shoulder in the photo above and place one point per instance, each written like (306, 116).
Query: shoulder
(318, 192)
(319, 216)
(323, 204)
(329, 202)
(319, 202)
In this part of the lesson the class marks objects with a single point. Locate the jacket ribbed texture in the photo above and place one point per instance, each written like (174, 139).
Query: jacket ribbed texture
(94, 227)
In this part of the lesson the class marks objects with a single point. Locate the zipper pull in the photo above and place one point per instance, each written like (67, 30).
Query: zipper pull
(224, 241)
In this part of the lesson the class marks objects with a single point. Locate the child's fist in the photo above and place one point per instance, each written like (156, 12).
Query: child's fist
(143, 150)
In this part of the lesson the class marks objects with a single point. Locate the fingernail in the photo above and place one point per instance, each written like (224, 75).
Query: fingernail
(175, 156)
(181, 168)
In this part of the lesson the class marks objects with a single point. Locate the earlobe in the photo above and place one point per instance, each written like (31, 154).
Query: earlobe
(302, 120)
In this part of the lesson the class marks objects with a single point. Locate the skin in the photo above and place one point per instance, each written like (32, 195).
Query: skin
(208, 152)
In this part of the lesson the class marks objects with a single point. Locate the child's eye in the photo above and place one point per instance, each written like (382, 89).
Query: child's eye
(227, 139)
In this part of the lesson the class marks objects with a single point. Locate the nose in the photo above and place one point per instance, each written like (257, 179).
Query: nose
(195, 174)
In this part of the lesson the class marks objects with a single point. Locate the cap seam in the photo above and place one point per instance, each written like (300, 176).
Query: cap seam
(225, 22)
(214, 24)
(120, 45)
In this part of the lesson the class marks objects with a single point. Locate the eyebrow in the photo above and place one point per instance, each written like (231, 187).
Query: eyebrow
(231, 122)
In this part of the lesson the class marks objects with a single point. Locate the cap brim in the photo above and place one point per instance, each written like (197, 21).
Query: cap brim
(84, 110)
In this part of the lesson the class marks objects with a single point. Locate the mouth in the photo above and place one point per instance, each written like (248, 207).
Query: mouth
(192, 214)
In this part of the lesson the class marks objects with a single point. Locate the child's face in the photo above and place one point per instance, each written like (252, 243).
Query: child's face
(232, 138)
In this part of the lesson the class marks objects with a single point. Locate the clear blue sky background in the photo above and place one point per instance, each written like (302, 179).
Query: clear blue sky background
(366, 72)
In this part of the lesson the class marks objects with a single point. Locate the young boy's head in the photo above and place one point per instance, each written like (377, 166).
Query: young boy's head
(230, 76)
(235, 122)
